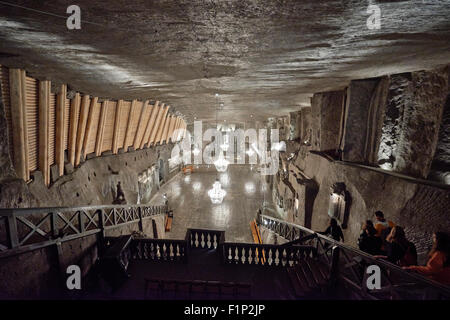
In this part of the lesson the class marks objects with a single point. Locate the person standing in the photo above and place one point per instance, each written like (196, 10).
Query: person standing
(334, 231)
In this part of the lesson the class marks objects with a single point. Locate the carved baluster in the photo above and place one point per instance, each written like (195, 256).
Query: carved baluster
(158, 252)
(250, 255)
(164, 252)
(270, 260)
(284, 257)
(196, 240)
(215, 241)
(236, 255)
(208, 242)
(229, 254)
(171, 252)
(203, 242)
(277, 257)
(243, 256)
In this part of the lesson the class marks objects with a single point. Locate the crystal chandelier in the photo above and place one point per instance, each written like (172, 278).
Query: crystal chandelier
(217, 193)
(221, 163)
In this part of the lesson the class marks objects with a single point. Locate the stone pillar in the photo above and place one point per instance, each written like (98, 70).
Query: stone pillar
(357, 119)
(415, 104)
(326, 108)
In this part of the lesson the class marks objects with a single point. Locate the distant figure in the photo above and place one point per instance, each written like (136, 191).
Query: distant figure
(334, 231)
(368, 241)
(438, 265)
(120, 196)
(399, 250)
(382, 226)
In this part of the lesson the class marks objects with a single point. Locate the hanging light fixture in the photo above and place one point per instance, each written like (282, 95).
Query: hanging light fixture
(221, 163)
(217, 193)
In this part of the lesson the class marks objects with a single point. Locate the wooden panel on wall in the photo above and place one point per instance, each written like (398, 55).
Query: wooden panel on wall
(117, 120)
(60, 128)
(32, 116)
(73, 127)
(101, 128)
(108, 131)
(92, 137)
(161, 126)
(44, 130)
(51, 129)
(17, 82)
(150, 124)
(142, 124)
(133, 122)
(84, 112)
(126, 108)
(4, 81)
(66, 123)
(155, 126)
(164, 130)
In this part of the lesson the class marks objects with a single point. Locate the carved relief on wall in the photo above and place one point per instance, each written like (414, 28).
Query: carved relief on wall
(339, 204)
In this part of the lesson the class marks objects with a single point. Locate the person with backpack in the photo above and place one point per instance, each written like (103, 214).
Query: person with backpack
(368, 241)
(438, 265)
(399, 250)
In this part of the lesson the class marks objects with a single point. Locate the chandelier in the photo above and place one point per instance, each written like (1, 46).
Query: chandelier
(221, 163)
(217, 193)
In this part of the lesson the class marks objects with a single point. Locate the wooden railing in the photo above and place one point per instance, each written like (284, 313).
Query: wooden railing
(159, 250)
(205, 239)
(349, 265)
(30, 229)
(265, 254)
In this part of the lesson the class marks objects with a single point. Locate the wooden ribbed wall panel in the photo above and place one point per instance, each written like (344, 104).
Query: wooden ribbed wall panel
(66, 123)
(37, 118)
(32, 108)
(4, 78)
(142, 125)
(109, 126)
(134, 122)
(123, 122)
(51, 129)
(90, 147)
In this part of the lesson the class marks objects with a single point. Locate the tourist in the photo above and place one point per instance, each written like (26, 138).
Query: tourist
(334, 231)
(438, 265)
(382, 226)
(368, 241)
(399, 250)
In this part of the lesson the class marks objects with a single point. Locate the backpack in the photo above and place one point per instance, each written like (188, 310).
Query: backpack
(410, 256)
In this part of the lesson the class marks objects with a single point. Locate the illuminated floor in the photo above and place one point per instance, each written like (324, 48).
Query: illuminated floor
(192, 207)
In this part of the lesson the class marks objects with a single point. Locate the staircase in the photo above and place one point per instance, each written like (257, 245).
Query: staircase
(338, 270)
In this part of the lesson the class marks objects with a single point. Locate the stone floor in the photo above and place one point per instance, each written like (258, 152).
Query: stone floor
(192, 207)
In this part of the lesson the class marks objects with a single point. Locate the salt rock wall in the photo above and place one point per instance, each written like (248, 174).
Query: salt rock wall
(414, 109)
(440, 168)
(326, 113)
(93, 183)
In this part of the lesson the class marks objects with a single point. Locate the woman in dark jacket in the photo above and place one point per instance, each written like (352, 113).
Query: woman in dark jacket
(398, 249)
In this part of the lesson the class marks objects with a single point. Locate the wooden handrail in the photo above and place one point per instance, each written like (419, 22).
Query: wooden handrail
(346, 248)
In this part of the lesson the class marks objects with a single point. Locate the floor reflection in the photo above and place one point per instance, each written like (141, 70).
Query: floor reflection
(192, 207)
